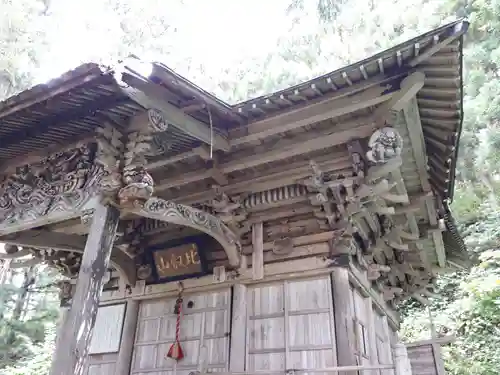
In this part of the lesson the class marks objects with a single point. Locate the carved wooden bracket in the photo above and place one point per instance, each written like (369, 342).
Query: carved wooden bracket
(168, 211)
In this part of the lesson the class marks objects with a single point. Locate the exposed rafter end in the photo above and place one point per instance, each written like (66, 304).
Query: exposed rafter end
(408, 89)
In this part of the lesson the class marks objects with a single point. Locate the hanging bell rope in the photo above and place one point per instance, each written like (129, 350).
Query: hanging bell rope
(175, 352)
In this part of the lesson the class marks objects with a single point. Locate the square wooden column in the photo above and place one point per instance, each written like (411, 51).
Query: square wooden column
(73, 345)
(344, 319)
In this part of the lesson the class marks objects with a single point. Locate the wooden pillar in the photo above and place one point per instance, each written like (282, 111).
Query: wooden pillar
(401, 360)
(73, 345)
(258, 251)
(237, 358)
(128, 337)
(63, 317)
(344, 315)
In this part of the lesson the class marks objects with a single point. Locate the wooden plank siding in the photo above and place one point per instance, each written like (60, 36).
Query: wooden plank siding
(103, 351)
(205, 328)
(101, 364)
(422, 359)
(382, 342)
(280, 325)
(290, 325)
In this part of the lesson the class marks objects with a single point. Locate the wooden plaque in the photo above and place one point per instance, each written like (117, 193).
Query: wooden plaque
(178, 262)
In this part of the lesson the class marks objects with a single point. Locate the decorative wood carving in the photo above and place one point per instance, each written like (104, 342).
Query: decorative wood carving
(160, 209)
(139, 184)
(157, 121)
(385, 144)
(108, 155)
(144, 271)
(64, 181)
(231, 212)
(86, 217)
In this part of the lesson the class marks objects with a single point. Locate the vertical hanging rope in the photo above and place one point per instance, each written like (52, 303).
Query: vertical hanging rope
(175, 352)
(211, 130)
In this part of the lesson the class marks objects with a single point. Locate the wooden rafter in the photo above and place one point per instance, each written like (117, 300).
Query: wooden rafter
(151, 95)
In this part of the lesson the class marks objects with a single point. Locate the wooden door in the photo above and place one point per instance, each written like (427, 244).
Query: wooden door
(290, 325)
(204, 335)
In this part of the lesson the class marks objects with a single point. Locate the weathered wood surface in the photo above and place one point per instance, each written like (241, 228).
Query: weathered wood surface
(204, 334)
(401, 360)
(258, 251)
(238, 328)
(344, 311)
(107, 329)
(290, 325)
(75, 341)
(124, 359)
(423, 360)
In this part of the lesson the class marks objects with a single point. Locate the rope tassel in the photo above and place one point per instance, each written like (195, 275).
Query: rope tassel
(175, 352)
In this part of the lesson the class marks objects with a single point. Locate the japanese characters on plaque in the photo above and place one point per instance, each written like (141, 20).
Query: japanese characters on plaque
(178, 262)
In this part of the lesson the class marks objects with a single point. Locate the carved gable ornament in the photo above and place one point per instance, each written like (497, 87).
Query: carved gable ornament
(64, 181)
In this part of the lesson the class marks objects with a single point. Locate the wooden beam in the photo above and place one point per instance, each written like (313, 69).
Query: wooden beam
(291, 269)
(401, 361)
(128, 338)
(408, 89)
(338, 135)
(458, 30)
(54, 217)
(414, 126)
(237, 352)
(74, 344)
(258, 251)
(344, 314)
(200, 95)
(71, 243)
(366, 94)
(274, 177)
(151, 95)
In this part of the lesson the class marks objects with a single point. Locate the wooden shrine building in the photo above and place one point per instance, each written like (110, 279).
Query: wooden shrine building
(275, 236)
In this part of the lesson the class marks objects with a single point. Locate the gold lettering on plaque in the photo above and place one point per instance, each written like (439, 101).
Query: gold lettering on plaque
(177, 261)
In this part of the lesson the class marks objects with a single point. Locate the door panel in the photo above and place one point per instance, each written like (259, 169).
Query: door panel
(290, 325)
(204, 334)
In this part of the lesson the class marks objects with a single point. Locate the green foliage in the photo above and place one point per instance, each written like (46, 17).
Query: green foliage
(38, 363)
(348, 31)
(27, 309)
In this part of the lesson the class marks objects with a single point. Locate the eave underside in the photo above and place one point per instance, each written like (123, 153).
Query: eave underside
(270, 153)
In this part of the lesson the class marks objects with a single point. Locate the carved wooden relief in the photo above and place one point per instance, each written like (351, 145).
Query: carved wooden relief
(385, 144)
(64, 181)
(163, 210)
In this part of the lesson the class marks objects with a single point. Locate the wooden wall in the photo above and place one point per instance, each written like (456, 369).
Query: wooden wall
(204, 334)
(103, 351)
(425, 359)
(290, 325)
(281, 325)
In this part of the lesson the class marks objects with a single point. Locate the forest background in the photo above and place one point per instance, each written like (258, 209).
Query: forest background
(239, 49)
